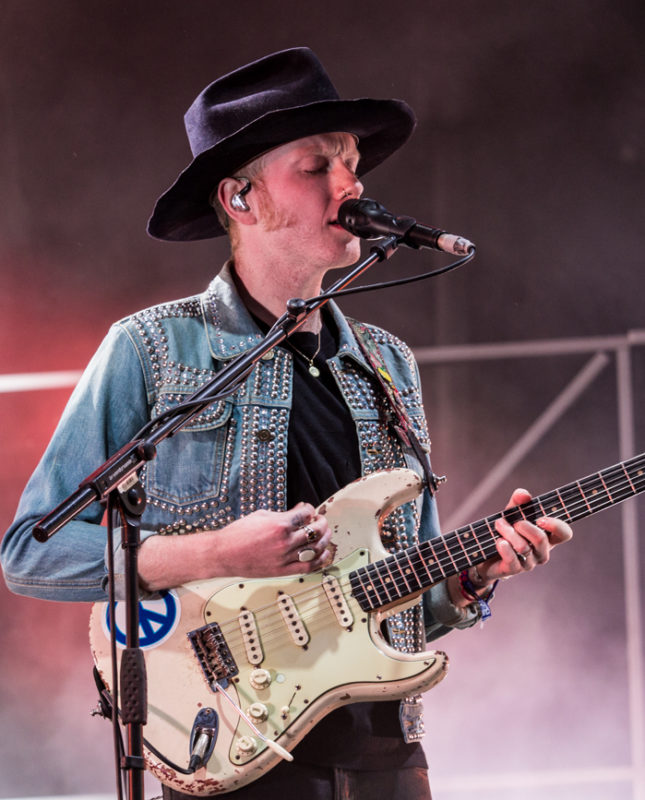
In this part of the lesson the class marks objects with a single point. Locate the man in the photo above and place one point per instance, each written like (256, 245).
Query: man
(275, 154)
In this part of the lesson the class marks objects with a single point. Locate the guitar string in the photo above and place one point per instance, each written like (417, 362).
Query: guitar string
(399, 580)
(450, 540)
(270, 637)
(612, 487)
(616, 484)
(309, 612)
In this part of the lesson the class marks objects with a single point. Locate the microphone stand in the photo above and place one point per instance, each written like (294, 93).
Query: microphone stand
(116, 485)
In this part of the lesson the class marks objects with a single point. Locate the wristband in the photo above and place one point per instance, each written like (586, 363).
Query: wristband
(470, 593)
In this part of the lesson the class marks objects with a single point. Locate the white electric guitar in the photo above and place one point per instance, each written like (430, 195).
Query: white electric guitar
(239, 670)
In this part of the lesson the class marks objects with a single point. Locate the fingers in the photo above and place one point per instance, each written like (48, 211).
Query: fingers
(300, 515)
(306, 540)
(518, 497)
(557, 530)
(525, 545)
(270, 543)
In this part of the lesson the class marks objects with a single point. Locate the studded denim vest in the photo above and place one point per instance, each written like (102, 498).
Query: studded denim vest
(227, 462)
(231, 459)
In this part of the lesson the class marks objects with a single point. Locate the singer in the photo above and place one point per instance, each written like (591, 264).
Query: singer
(276, 153)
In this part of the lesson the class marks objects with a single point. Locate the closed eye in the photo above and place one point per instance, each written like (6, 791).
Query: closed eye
(317, 167)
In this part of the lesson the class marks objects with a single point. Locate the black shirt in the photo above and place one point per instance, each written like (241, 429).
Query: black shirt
(323, 456)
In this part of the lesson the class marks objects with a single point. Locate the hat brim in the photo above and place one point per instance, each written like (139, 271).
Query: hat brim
(184, 213)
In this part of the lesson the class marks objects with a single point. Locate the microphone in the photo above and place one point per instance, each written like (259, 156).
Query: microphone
(370, 220)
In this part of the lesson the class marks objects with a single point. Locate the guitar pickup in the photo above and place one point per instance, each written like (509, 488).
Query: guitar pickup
(293, 620)
(213, 654)
(250, 637)
(337, 602)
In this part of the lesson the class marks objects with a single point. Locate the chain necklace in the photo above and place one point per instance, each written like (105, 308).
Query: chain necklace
(313, 369)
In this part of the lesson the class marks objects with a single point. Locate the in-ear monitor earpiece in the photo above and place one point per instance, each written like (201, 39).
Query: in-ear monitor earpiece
(237, 200)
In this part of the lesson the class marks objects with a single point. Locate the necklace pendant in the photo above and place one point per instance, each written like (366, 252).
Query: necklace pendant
(313, 370)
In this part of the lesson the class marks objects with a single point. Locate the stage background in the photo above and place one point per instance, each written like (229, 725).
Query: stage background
(530, 142)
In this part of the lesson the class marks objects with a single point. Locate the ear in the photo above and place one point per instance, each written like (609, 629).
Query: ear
(228, 187)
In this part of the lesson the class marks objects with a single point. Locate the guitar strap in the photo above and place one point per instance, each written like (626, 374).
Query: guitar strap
(399, 417)
(406, 629)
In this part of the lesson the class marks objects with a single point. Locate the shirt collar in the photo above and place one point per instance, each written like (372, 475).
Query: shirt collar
(231, 330)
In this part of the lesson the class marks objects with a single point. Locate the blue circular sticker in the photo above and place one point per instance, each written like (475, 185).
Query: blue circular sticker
(157, 620)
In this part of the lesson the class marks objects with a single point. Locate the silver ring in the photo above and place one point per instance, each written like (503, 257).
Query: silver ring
(312, 535)
(521, 557)
(306, 554)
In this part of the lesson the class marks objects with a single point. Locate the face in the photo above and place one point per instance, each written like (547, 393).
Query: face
(298, 192)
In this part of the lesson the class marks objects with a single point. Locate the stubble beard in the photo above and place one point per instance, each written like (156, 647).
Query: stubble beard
(273, 218)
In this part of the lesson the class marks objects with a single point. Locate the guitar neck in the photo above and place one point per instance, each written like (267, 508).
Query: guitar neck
(418, 567)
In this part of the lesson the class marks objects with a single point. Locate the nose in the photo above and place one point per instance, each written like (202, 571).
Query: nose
(346, 184)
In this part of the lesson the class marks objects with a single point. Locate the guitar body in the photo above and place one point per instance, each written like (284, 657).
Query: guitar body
(289, 650)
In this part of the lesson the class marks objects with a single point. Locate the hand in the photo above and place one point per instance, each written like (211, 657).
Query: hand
(523, 546)
(269, 543)
(261, 545)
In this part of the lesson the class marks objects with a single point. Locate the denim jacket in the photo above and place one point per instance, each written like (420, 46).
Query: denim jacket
(227, 462)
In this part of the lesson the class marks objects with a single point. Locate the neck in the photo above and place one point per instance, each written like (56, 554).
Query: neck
(266, 290)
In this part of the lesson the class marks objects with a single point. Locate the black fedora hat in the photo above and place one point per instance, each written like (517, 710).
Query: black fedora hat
(280, 98)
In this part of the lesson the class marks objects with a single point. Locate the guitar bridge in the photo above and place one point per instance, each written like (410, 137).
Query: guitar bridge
(213, 654)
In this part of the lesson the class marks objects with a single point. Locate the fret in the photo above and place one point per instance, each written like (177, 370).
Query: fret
(376, 581)
(389, 580)
(413, 572)
(461, 535)
(486, 536)
(398, 559)
(532, 509)
(639, 479)
(594, 493)
(429, 561)
(408, 580)
(611, 499)
(539, 501)
(512, 515)
(432, 544)
(491, 531)
(622, 489)
(424, 574)
(456, 551)
(629, 480)
(568, 497)
(639, 473)
(576, 505)
(584, 497)
(366, 590)
(620, 480)
(358, 590)
(447, 546)
(423, 565)
(556, 509)
(387, 571)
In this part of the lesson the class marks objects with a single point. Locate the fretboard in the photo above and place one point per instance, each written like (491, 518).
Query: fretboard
(418, 567)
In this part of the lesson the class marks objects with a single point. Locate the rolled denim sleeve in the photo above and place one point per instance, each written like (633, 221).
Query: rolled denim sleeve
(106, 409)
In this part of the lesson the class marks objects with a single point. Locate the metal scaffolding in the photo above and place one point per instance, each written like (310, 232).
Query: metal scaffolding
(602, 351)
